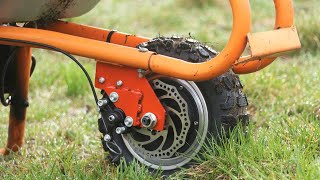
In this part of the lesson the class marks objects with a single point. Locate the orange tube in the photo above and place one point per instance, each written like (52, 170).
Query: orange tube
(111, 53)
(284, 19)
(95, 33)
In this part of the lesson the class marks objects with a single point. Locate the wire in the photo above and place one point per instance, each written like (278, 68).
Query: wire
(62, 52)
(4, 101)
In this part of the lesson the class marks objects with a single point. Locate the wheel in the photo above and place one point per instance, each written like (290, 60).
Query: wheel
(195, 111)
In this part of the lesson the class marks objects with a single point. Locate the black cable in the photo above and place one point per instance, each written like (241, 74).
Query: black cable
(62, 52)
(3, 77)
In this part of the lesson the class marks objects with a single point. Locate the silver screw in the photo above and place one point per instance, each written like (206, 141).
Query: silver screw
(141, 72)
(102, 80)
(128, 121)
(119, 83)
(114, 97)
(102, 102)
(180, 87)
(120, 130)
(112, 118)
(107, 138)
(142, 49)
(196, 123)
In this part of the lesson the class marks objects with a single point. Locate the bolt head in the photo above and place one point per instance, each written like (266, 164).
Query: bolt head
(102, 80)
(196, 123)
(120, 130)
(114, 97)
(128, 121)
(119, 83)
(102, 102)
(107, 138)
(112, 118)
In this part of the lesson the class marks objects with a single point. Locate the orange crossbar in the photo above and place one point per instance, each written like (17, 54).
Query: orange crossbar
(111, 53)
(284, 19)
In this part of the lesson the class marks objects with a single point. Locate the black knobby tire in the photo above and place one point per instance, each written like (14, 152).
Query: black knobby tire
(226, 103)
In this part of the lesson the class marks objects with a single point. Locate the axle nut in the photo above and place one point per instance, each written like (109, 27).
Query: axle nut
(149, 120)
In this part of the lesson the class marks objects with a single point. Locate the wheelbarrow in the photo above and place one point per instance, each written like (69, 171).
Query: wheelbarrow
(160, 98)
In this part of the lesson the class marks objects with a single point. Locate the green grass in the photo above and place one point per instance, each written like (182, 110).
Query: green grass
(62, 139)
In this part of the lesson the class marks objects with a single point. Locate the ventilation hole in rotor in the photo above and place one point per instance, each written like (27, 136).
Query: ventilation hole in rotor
(184, 110)
(164, 154)
(172, 103)
(164, 86)
(187, 124)
(170, 138)
(168, 153)
(156, 155)
(180, 142)
(160, 85)
(139, 137)
(172, 90)
(176, 121)
(175, 94)
(180, 101)
(169, 89)
(157, 83)
(185, 129)
(159, 150)
(178, 97)
(154, 145)
(160, 92)
(177, 138)
(170, 94)
(185, 114)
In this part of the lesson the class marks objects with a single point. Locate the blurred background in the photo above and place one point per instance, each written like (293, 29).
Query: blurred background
(62, 137)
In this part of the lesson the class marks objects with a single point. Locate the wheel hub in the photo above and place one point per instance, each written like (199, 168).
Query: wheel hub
(185, 127)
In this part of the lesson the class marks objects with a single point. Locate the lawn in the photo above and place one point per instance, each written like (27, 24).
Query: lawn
(62, 138)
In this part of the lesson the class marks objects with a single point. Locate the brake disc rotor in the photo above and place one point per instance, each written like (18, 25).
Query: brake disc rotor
(185, 127)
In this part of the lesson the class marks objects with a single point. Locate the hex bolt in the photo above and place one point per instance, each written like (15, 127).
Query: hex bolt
(102, 80)
(120, 130)
(180, 87)
(128, 121)
(102, 102)
(114, 97)
(107, 138)
(196, 123)
(111, 118)
(119, 83)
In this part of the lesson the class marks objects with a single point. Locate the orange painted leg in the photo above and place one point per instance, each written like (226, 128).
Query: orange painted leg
(19, 104)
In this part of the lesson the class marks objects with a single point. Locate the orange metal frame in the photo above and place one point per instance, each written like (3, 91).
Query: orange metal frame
(116, 52)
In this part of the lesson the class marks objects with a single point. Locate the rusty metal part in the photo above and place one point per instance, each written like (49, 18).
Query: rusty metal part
(284, 19)
(17, 111)
(45, 10)
(146, 60)
(136, 96)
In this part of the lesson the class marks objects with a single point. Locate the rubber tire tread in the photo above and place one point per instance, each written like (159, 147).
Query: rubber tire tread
(226, 103)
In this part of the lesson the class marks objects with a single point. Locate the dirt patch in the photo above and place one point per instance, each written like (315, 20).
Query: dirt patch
(56, 9)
